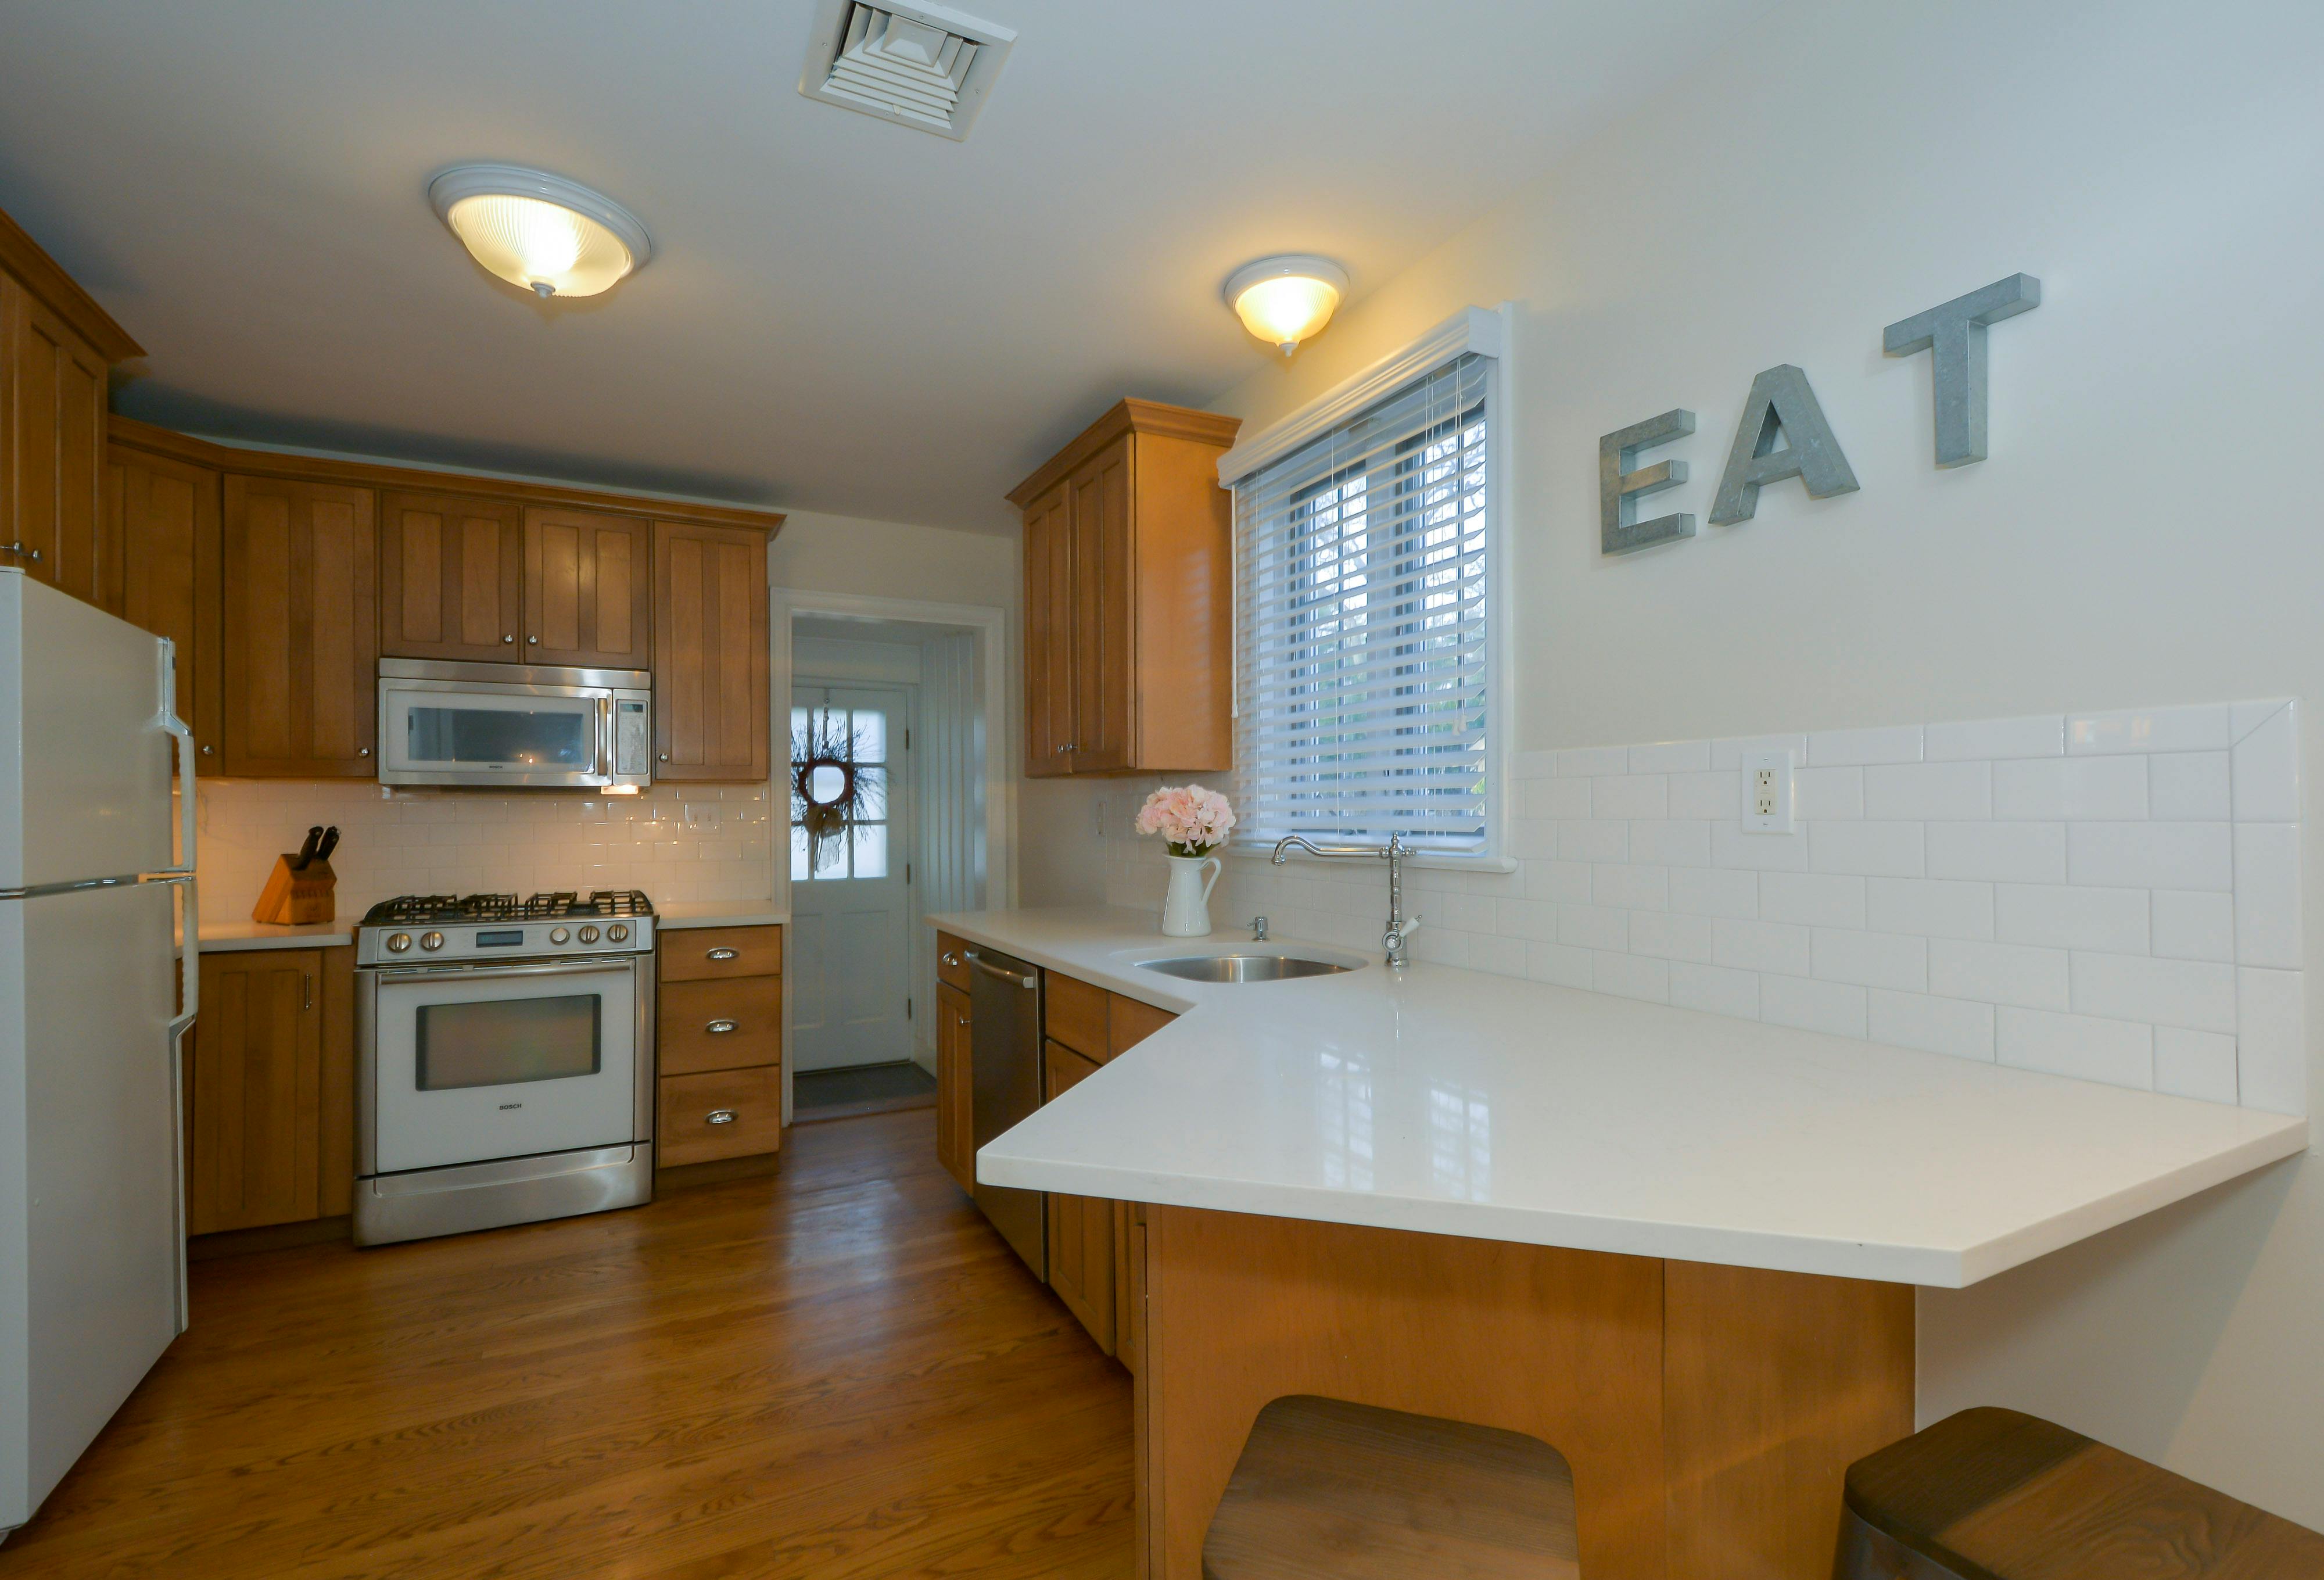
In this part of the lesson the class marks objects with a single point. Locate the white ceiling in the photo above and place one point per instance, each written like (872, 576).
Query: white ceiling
(841, 315)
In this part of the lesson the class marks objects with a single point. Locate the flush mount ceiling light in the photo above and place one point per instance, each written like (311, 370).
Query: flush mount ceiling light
(1283, 300)
(552, 237)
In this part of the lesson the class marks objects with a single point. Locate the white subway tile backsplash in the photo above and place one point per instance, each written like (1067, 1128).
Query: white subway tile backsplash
(2203, 728)
(1710, 796)
(2198, 995)
(1732, 847)
(1587, 762)
(1630, 795)
(2266, 768)
(1888, 850)
(1532, 765)
(2062, 917)
(2030, 853)
(1890, 960)
(2042, 736)
(1593, 926)
(1671, 841)
(2193, 926)
(1882, 744)
(1558, 963)
(1761, 945)
(2184, 786)
(1528, 919)
(2058, 788)
(1715, 988)
(1813, 1006)
(1949, 1026)
(1715, 891)
(1729, 752)
(1593, 840)
(1555, 798)
(1812, 898)
(2271, 1051)
(1630, 886)
(2151, 855)
(2267, 894)
(2195, 1064)
(2120, 1053)
(1567, 883)
(1818, 793)
(1934, 908)
(1670, 757)
(1632, 977)
(1669, 936)
(1926, 791)
(2000, 974)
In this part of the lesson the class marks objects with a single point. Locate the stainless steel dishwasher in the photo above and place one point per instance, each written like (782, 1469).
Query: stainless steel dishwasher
(1005, 1061)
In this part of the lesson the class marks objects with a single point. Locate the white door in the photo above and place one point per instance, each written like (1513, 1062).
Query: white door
(850, 967)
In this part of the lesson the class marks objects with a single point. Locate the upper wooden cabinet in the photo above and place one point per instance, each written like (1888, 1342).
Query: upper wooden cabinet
(157, 545)
(710, 652)
(589, 589)
(1128, 596)
(57, 349)
(451, 577)
(300, 640)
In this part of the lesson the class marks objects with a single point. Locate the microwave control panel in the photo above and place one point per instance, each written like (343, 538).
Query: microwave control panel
(630, 756)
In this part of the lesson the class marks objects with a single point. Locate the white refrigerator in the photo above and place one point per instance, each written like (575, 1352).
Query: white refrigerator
(92, 1247)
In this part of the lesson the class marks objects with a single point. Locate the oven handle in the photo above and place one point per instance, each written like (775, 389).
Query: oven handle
(579, 965)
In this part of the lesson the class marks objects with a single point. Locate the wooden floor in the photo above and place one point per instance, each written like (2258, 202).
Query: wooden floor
(838, 1371)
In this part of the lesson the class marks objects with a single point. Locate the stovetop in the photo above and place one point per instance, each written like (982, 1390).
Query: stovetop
(418, 910)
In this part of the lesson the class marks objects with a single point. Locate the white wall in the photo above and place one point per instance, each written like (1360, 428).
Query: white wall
(2143, 534)
(895, 559)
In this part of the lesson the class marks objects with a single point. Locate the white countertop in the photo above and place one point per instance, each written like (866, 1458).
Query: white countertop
(1460, 1103)
(687, 913)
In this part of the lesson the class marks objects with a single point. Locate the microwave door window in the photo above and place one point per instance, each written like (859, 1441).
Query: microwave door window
(547, 739)
(502, 1042)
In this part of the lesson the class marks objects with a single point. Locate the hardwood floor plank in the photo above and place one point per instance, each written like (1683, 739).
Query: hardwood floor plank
(838, 1370)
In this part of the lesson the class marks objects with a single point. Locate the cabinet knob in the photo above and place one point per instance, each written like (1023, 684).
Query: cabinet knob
(719, 1028)
(719, 1116)
(206, 751)
(532, 641)
(665, 757)
(508, 639)
(362, 751)
(950, 958)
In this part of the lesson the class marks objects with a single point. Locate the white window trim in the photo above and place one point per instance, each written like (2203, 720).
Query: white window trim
(1487, 332)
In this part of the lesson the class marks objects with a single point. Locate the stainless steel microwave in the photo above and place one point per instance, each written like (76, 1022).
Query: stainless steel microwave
(525, 725)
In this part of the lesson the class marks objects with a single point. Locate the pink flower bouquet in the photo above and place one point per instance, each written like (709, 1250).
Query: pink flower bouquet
(1194, 821)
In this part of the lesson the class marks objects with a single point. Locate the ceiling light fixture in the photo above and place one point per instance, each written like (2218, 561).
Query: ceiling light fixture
(1284, 299)
(552, 237)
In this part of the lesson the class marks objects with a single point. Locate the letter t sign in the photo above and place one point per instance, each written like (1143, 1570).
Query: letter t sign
(1955, 334)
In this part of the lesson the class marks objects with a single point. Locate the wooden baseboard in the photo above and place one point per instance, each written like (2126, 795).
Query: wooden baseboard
(717, 1171)
(267, 1237)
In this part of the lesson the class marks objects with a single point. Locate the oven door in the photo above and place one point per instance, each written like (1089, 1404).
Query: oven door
(474, 733)
(463, 1065)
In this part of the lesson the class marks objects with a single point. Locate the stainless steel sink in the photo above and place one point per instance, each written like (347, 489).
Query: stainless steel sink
(1244, 968)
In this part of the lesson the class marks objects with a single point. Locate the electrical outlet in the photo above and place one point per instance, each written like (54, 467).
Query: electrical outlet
(1767, 792)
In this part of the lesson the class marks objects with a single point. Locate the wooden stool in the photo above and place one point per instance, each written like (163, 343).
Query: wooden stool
(1991, 1494)
(1327, 1489)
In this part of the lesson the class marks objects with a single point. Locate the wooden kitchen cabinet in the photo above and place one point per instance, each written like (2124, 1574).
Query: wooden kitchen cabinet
(301, 629)
(589, 589)
(158, 547)
(451, 577)
(254, 1147)
(710, 654)
(1128, 596)
(719, 1025)
(1081, 1228)
(955, 1087)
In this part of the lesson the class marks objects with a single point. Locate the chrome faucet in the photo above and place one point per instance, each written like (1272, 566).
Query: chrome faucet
(1258, 930)
(1400, 927)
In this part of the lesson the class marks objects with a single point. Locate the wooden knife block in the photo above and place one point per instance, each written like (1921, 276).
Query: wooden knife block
(292, 897)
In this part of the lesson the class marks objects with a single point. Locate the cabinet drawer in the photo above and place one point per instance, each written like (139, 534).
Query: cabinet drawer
(720, 1025)
(1075, 1014)
(683, 1129)
(703, 953)
(952, 966)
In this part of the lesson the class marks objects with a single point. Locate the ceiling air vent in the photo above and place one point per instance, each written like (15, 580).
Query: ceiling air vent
(921, 66)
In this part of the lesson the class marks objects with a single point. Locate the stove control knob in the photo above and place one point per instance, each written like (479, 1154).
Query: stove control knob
(558, 935)
(431, 941)
(397, 943)
(618, 933)
(588, 935)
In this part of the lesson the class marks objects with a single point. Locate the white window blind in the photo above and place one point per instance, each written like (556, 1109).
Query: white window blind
(1360, 635)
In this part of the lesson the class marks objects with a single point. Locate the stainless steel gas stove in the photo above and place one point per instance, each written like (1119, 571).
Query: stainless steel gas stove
(506, 1062)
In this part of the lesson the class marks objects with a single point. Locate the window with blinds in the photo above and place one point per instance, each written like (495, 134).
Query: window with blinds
(1362, 630)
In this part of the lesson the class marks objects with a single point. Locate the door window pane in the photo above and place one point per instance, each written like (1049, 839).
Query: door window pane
(862, 851)
(500, 1043)
(871, 849)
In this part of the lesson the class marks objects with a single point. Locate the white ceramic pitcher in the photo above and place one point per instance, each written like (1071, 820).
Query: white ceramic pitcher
(1187, 906)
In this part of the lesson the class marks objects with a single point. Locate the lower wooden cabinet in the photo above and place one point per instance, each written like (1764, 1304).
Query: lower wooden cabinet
(718, 1044)
(1080, 1227)
(955, 1087)
(268, 1087)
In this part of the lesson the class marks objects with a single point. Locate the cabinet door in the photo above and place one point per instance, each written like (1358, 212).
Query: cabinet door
(157, 550)
(1104, 610)
(710, 652)
(256, 1091)
(1080, 1227)
(1049, 635)
(54, 420)
(955, 1091)
(588, 593)
(301, 630)
(451, 577)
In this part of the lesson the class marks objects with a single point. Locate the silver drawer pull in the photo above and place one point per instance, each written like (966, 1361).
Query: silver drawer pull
(719, 1116)
(719, 1028)
(720, 955)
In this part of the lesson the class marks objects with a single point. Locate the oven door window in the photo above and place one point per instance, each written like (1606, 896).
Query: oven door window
(508, 1042)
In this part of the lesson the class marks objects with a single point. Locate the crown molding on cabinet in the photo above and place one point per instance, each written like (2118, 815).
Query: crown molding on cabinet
(1128, 416)
(39, 273)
